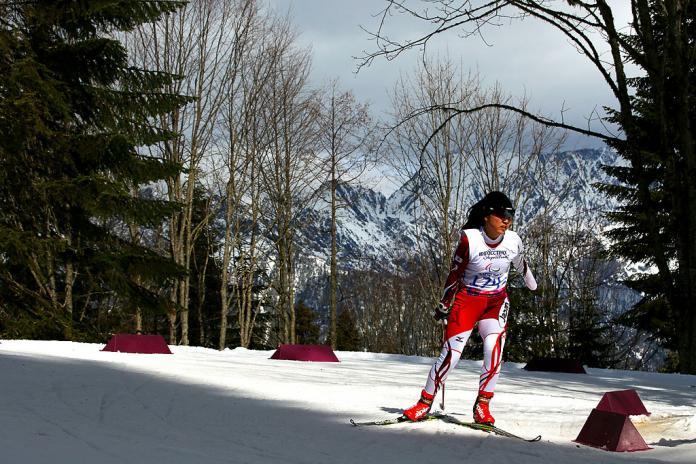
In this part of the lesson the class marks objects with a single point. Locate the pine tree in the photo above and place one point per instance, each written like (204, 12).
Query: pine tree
(347, 336)
(307, 328)
(652, 314)
(205, 273)
(74, 118)
(658, 219)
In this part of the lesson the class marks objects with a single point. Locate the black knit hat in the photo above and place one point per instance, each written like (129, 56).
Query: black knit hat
(499, 204)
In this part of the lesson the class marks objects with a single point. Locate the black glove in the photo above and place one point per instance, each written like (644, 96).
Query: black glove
(441, 312)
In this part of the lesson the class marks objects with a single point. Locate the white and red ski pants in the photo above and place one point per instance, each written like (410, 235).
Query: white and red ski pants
(490, 311)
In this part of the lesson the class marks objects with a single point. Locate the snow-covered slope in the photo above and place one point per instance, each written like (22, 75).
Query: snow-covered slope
(66, 403)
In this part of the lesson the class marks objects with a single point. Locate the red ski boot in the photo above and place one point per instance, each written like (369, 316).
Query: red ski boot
(482, 415)
(421, 408)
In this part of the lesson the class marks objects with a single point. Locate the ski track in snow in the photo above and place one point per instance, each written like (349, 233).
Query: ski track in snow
(64, 402)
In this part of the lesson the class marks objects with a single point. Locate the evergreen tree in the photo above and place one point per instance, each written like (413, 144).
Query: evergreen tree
(646, 216)
(73, 120)
(528, 331)
(205, 273)
(307, 324)
(658, 219)
(589, 338)
(347, 336)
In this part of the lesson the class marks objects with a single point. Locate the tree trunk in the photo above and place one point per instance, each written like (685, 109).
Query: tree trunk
(333, 284)
(224, 277)
(68, 301)
(138, 320)
(681, 60)
(171, 313)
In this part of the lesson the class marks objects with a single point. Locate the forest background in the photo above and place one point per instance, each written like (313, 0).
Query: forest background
(161, 160)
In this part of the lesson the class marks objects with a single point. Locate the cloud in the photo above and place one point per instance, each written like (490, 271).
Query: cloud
(527, 58)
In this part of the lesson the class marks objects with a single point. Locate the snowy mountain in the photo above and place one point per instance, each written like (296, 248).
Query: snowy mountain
(65, 403)
(372, 225)
(375, 228)
(368, 224)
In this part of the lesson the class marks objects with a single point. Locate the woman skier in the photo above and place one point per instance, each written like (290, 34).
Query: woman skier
(476, 292)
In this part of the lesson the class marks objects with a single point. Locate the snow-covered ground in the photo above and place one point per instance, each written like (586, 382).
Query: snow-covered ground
(63, 402)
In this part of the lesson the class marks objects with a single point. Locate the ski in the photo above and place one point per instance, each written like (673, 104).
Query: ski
(391, 421)
(449, 419)
(483, 427)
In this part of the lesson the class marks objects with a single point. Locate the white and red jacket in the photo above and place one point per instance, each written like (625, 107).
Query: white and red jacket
(481, 265)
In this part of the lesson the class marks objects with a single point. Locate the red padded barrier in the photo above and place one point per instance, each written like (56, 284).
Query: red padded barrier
(320, 353)
(624, 402)
(136, 343)
(611, 431)
(571, 366)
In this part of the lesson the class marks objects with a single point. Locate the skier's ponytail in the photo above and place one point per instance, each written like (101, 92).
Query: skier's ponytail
(476, 215)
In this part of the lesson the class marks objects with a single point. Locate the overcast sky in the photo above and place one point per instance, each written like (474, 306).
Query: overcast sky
(526, 58)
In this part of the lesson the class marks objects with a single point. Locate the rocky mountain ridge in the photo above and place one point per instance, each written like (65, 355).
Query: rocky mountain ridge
(373, 228)
(370, 223)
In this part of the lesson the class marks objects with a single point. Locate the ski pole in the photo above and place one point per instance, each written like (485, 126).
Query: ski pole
(444, 338)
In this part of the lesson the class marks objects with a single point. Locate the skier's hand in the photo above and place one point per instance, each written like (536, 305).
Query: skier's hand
(441, 312)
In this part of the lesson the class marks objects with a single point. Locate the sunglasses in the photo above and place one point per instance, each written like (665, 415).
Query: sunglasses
(503, 213)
